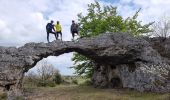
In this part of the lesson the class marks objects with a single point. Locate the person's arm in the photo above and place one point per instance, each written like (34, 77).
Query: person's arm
(53, 28)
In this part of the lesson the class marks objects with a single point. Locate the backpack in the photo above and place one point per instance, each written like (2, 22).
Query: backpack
(48, 26)
(74, 27)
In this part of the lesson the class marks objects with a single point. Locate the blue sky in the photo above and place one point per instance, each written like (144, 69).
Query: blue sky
(111, 1)
(127, 2)
(23, 21)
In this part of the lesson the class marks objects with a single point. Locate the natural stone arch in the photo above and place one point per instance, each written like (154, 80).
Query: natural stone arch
(131, 59)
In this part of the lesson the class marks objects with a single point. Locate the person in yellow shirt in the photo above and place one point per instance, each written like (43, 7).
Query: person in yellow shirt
(58, 29)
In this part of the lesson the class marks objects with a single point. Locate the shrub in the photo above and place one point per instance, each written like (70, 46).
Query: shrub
(46, 75)
(57, 78)
(86, 83)
(41, 84)
(51, 84)
(74, 81)
(46, 83)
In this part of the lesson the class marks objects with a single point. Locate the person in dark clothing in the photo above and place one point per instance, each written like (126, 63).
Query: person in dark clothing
(74, 29)
(50, 29)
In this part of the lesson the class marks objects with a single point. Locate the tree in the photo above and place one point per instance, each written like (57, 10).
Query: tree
(161, 28)
(102, 20)
(57, 78)
(47, 74)
(45, 70)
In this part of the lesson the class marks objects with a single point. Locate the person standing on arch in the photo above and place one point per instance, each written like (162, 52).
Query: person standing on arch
(74, 29)
(50, 29)
(58, 29)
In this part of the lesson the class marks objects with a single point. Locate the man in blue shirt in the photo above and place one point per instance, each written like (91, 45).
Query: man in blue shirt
(50, 29)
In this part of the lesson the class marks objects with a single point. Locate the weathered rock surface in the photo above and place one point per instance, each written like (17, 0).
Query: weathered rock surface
(120, 61)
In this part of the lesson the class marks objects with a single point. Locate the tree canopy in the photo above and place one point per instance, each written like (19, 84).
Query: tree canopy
(102, 19)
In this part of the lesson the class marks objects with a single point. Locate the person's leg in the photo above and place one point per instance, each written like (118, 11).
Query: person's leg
(56, 35)
(47, 36)
(61, 35)
(77, 33)
(73, 35)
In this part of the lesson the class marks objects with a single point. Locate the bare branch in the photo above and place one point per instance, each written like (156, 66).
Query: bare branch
(161, 28)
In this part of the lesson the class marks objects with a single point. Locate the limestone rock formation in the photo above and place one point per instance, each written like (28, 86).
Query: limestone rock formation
(120, 60)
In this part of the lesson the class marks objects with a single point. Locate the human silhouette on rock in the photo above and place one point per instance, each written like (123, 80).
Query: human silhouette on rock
(74, 29)
(50, 29)
(58, 29)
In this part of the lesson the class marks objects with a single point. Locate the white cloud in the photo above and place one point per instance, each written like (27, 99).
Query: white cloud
(152, 9)
(24, 21)
(67, 12)
(22, 24)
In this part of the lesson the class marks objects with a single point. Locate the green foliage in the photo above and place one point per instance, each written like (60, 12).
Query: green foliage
(86, 83)
(57, 78)
(46, 83)
(35, 80)
(74, 81)
(83, 65)
(101, 20)
(105, 19)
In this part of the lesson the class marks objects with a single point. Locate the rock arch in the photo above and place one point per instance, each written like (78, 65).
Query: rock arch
(132, 60)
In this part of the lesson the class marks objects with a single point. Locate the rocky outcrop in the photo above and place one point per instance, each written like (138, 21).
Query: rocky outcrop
(119, 61)
(141, 68)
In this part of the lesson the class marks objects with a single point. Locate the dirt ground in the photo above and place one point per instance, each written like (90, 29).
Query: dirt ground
(73, 92)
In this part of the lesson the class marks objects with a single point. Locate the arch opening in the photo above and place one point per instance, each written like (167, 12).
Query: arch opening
(62, 64)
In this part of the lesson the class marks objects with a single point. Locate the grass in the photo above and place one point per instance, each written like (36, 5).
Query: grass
(3, 95)
(83, 92)
(75, 92)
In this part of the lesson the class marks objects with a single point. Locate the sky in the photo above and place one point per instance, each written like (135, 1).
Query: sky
(23, 21)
